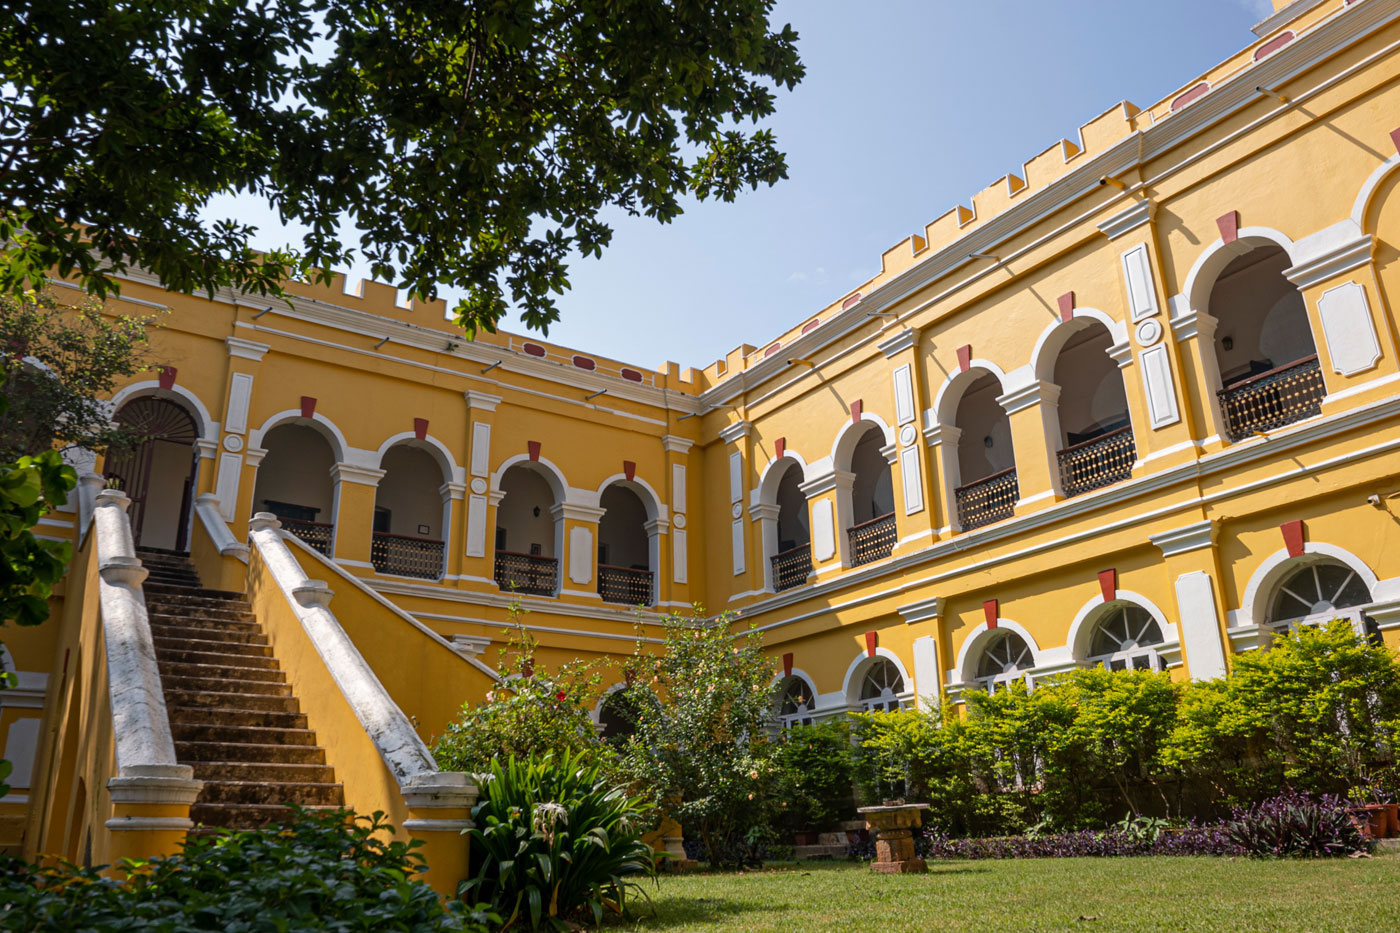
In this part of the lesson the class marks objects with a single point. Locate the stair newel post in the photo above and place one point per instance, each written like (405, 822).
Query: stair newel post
(439, 812)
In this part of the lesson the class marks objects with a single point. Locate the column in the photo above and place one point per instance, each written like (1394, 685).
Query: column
(1192, 565)
(655, 528)
(477, 565)
(765, 515)
(453, 527)
(829, 515)
(355, 488)
(578, 548)
(942, 441)
(1037, 466)
(928, 680)
(916, 490)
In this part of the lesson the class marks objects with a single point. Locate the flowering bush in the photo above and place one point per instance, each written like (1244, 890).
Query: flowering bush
(1294, 824)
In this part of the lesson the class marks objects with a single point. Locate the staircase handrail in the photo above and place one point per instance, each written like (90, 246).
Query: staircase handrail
(147, 769)
(404, 753)
(207, 507)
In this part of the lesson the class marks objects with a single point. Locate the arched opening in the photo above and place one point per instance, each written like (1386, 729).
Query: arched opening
(1096, 435)
(1126, 637)
(792, 563)
(1269, 371)
(1314, 591)
(158, 472)
(872, 534)
(986, 461)
(410, 515)
(881, 686)
(1005, 659)
(624, 548)
(528, 533)
(794, 703)
(617, 718)
(294, 483)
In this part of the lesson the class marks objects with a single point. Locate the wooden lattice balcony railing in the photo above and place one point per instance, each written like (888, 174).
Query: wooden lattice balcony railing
(792, 567)
(872, 540)
(988, 500)
(624, 585)
(317, 535)
(1273, 399)
(527, 573)
(406, 556)
(1098, 462)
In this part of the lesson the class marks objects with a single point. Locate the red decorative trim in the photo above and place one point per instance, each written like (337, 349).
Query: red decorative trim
(872, 640)
(851, 301)
(771, 350)
(1229, 225)
(534, 448)
(991, 611)
(631, 375)
(1273, 45)
(965, 357)
(779, 448)
(1190, 95)
(1395, 139)
(787, 664)
(583, 362)
(1066, 306)
(1293, 537)
(167, 377)
(857, 408)
(534, 349)
(629, 470)
(420, 428)
(308, 406)
(811, 325)
(1108, 585)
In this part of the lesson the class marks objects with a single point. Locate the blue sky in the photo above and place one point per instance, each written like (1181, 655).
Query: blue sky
(909, 107)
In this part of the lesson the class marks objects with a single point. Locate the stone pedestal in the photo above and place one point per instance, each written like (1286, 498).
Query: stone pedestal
(894, 825)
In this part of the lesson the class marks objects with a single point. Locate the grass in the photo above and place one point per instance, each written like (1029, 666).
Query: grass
(1157, 893)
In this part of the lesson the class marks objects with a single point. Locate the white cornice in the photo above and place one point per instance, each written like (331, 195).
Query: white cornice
(1333, 251)
(1128, 219)
(674, 444)
(349, 473)
(1032, 393)
(733, 432)
(481, 401)
(246, 349)
(577, 513)
(1187, 538)
(925, 610)
(903, 340)
(825, 482)
(1281, 16)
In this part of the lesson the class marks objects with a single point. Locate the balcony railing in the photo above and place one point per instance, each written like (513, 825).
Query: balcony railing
(406, 556)
(1273, 399)
(527, 573)
(624, 585)
(987, 500)
(317, 535)
(872, 540)
(792, 567)
(1098, 462)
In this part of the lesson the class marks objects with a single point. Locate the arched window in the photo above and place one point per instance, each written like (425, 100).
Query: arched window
(881, 686)
(1263, 345)
(1096, 436)
(617, 718)
(872, 533)
(624, 561)
(1005, 659)
(1319, 591)
(1126, 638)
(294, 483)
(158, 473)
(528, 533)
(987, 489)
(792, 562)
(409, 513)
(795, 703)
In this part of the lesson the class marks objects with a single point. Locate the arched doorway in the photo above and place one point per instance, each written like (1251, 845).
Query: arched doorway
(529, 533)
(873, 533)
(158, 472)
(410, 515)
(294, 483)
(624, 549)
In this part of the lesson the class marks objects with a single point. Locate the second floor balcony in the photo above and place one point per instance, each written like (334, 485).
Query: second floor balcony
(1098, 462)
(987, 500)
(626, 585)
(1273, 398)
(532, 574)
(316, 535)
(791, 567)
(872, 540)
(406, 556)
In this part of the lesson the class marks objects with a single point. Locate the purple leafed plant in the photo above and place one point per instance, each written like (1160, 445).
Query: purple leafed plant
(1113, 843)
(1298, 825)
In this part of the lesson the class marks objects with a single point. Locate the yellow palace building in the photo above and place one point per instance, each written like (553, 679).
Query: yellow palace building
(1135, 404)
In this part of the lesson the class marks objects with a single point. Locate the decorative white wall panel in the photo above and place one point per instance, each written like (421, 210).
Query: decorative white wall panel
(1347, 327)
(240, 392)
(904, 394)
(823, 539)
(736, 477)
(678, 487)
(476, 526)
(912, 480)
(481, 448)
(1137, 275)
(1161, 389)
(580, 555)
(926, 684)
(680, 560)
(736, 540)
(1199, 626)
(226, 484)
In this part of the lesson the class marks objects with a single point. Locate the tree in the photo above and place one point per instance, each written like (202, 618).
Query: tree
(474, 143)
(702, 705)
(56, 364)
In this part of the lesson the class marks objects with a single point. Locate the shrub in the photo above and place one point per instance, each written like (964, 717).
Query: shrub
(814, 776)
(554, 842)
(1298, 825)
(324, 870)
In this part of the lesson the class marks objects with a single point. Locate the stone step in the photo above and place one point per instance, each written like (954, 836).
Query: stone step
(243, 815)
(227, 613)
(224, 716)
(262, 771)
(220, 658)
(240, 734)
(232, 667)
(192, 592)
(188, 752)
(271, 792)
(243, 644)
(212, 628)
(174, 683)
(230, 701)
(187, 598)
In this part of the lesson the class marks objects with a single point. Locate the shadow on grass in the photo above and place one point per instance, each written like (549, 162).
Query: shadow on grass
(686, 911)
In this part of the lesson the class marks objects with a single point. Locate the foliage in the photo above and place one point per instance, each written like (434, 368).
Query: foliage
(1295, 824)
(813, 776)
(531, 712)
(554, 842)
(323, 870)
(81, 353)
(472, 143)
(703, 704)
(1130, 838)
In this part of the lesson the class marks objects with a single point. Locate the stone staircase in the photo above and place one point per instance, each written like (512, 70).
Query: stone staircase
(232, 713)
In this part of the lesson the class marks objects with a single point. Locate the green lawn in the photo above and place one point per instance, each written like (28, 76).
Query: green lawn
(1157, 893)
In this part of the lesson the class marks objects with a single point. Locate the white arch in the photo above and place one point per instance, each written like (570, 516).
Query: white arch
(843, 447)
(1053, 339)
(774, 472)
(1277, 565)
(975, 641)
(597, 713)
(651, 502)
(1081, 630)
(1213, 260)
(317, 422)
(850, 686)
(545, 468)
(798, 673)
(1362, 205)
(451, 472)
(960, 381)
(207, 427)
